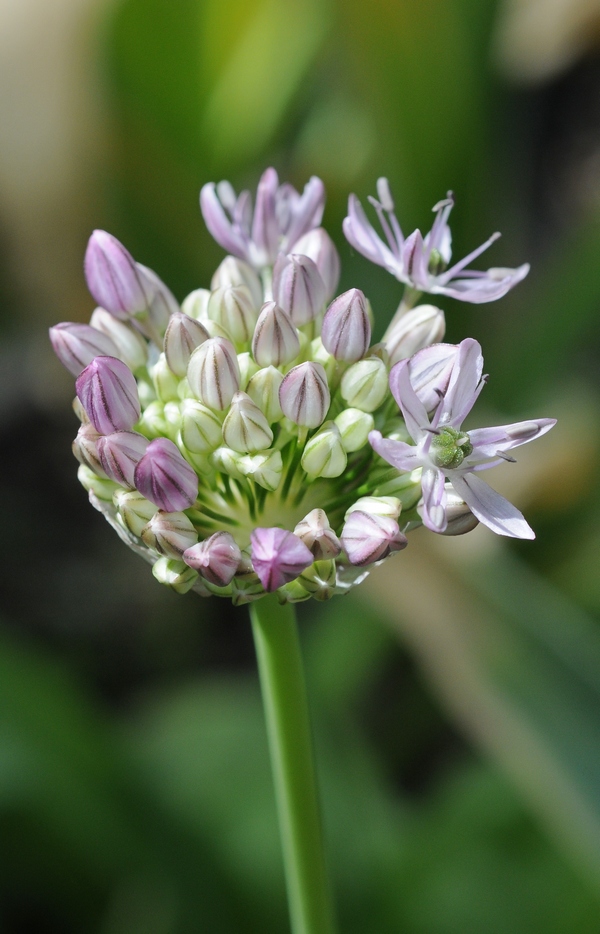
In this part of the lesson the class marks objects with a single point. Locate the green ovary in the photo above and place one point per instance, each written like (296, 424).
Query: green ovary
(450, 447)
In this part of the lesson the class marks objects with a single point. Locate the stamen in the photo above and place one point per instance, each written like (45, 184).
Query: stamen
(506, 457)
(393, 244)
(458, 267)
(384, 194)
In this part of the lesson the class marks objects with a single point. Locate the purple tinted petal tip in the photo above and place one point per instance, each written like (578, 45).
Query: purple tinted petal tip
(165, 478)
(278, 556)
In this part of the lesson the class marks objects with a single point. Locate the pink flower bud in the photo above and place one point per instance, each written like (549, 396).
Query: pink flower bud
(85, 448)
(182, 336)
(113, 277)
(108, 392)
(216, 558)
(169, 533)
(76, 345)
(368, 538)
(346, 331)
(275, 340)
(213, 373)
(304, 395)
(298, 287)
(278, 556)
(120, 453)
(316, 533)
(165, 478)
(318, 245)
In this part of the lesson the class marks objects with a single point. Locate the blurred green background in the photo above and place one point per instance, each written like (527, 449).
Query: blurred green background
(456, 695)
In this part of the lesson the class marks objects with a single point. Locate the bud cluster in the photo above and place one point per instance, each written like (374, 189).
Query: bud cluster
(230, 439)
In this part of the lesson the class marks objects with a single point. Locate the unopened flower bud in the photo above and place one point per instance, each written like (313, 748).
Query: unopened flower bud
(318, 245)
(319, 580)
(113, 277)
(108, 392)
(76, 345)
(316, 533)
(459, 517)
(430, 370)
(233, 308)
(216, 558)
(245, 428)
(265, 469)
(162, 305)
(132, 349)
(275, 340)
(346, 330)
(389, 506)
(263, 389)
(354, 427)
(247, 368)
(278, 556)
(214, 374)
(165, 478)
(298, 287)
(368, 538)
(324, 454)
(164, 380)
(169, 533)
(200, 427)
(304, 395)
(120, 453)
(196, 304)
(153, 422)
(175, 574)
(365, 384)
(182, 336)
(234, 271)
(416, 329)
(134, 509)
(102, 487)
(226, 461)
(85, 448)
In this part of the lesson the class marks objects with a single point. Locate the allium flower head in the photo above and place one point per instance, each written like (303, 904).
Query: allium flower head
(252, 440)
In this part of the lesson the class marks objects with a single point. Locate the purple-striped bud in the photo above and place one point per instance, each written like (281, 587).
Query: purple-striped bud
(304, 395)
(318, 245)
(162, 305)
(298, 287)
(108, 392)
(234, 271)
(346, 331)
(169, 533)
(216, 558)
(213, 373)
(430, 370)
(275, 340)
(76, 345)
(132, 349)
(245, 429)
(232, 307)
(278, 556)
(120, 453)
(316, 533)
(135, 511)
(85, 448)
(415, 330)
(113, 277)
(368, 538)
(165, 478)
(182, 336)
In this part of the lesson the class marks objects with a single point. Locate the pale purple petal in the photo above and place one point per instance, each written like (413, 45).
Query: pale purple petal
(368, 538)
(278, 556)
(113, 278)
(414, 265)
(76, 345)
(465, 383)
(165, 478)
(430, 371)
(400, 455)
(120, 453)
(361, 235)
(306, 213)
(216, 558)
(488, 441)
(415, 413)
(491, 508)
(485, 287)
(108, 392)
(219, 224)
(434, 499)
(265, 229)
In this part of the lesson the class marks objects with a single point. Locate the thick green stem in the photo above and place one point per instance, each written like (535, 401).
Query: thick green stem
(288, 728)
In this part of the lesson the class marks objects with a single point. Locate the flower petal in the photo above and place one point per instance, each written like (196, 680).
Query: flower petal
(491, 508)
(219, 224)
(400, 455)
(415, 413)
(465, 383)
(488, 441)
(434, 499)
(362, 236)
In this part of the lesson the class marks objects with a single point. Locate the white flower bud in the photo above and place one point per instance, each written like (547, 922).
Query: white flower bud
(319, 579)
(265, 469)
(103, 488)
(346, 330)
(245, 428)
(304, 395)
(233, 309)
(85, 448)
(131, 346)
(134, 509)
(365, 384)
(318, 245)
(324, 454)
(196, 304)
(153, 423)
(263, 389)
(226, 461)
(354, 427)
(389, 506)
(247, 368)
(217, 558)
(298, 287)
(164, 380)
(318, 536)
(275, 340)
(214, 374)
(169, 533)
(182, 336)
(176, 575)
(234, 271)
(418, 328)
(200, 429)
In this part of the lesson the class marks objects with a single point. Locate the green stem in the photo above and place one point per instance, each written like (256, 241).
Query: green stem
(288, 729)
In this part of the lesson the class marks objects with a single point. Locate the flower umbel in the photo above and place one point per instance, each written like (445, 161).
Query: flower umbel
(253, 440)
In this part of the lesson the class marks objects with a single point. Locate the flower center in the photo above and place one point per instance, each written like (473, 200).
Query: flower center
(450, 447)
